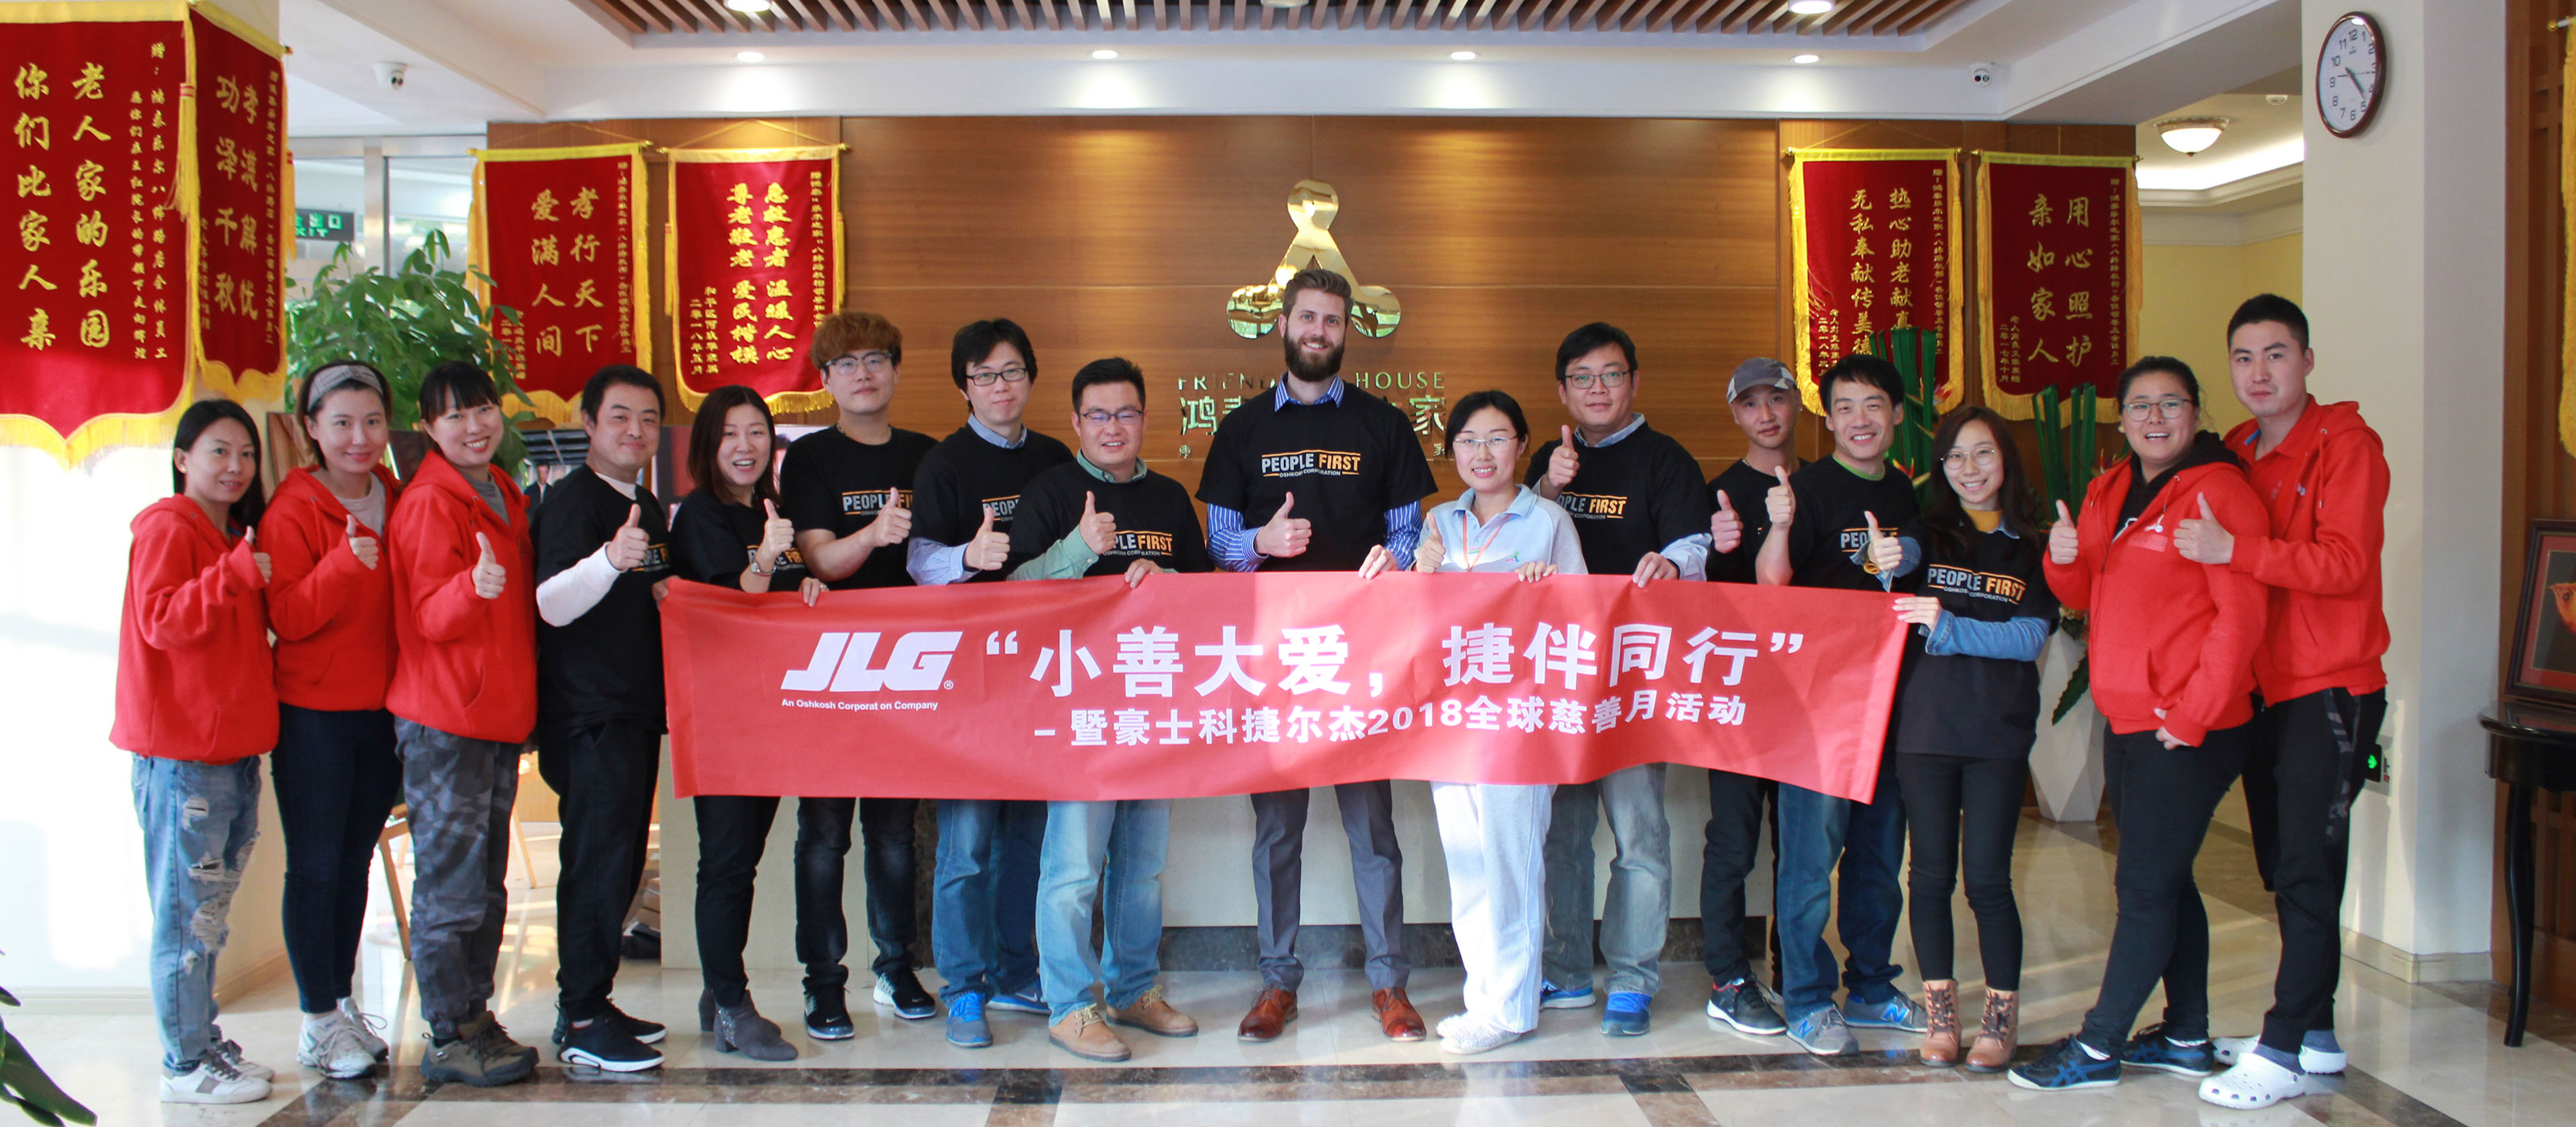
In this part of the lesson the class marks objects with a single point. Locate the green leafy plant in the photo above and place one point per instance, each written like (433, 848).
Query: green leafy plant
(2068, 462)
(23, 1082)
(1915, 352)
(405, 323)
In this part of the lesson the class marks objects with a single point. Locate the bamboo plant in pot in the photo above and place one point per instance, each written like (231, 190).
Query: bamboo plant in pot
(2066, 763)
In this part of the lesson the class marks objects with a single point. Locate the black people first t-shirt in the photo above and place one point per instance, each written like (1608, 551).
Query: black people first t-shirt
(1153, 514)
(836, 483)
(1748, 490)
(1346, 464)
(713, 540)
(1982, 707)
(1831, 525)
(1634, 496)
(606, 664)
(964, 473)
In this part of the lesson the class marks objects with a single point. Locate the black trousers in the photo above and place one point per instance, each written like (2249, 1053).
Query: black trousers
(822, 842)
(605, 775)
(337, 777)
(732, 830)
(2163, 800)
(2300, 781)
(1962, 813)
(1734, 839)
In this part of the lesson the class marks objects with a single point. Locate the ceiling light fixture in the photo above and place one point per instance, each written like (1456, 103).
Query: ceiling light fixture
(1104, 54)
(1283, 3)
(1803, 60)
(748, 56)
(1811, 7)
(2190, 136)
(1462, 56)
(748, 7)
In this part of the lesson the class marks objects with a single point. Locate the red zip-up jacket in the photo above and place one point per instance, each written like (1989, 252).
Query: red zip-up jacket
(2326, 487)
(334, 616)
(2166, 633)
(463, 664)
(193, 679)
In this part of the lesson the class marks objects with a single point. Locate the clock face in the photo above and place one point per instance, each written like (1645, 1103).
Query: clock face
(2350, 65)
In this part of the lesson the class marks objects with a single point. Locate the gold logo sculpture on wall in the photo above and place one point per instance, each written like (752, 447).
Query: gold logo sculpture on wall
(1254, 310)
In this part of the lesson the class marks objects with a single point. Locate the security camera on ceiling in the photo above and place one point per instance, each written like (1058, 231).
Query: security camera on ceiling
(390, 75)
(1982, 74)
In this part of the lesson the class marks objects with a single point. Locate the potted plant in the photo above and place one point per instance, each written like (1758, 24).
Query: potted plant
(2066, 762)
(23, 1082)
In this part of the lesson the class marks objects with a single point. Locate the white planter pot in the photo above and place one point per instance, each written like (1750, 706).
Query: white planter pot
(2066, 762)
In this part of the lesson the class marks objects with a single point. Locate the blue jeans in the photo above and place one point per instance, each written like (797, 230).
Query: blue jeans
(1109, 855)
(983, 899)
(1639, 905)
(1817, 834)
(199, 821)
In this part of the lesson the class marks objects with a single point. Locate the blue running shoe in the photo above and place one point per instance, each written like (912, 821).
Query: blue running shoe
(1626, 1015)
(966, 1028)
(1554, 997)
(2152, 1049)
(1823, 1033)
(1025, 1002)
(2066, 1067)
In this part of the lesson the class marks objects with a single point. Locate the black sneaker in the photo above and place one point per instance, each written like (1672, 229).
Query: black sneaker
(1741, 1004)
(604, 1044)
(902, 990)
(644, 1032)
(2152, 1049)
(827, 1016)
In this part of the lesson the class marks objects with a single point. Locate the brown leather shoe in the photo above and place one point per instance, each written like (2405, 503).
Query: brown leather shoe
(1271, 1012)
(1396, 1016)
(1941, 1021)
(1085, 1033)
(2001, 1035)
(1156, 1016)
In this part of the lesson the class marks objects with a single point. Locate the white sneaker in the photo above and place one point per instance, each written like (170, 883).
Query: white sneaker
(2253, 1083)
(331, 1047)
(231, 1053)
(1476, 1035)
(1449, 1023)
(213, 1081)
(364, 1025)
(2314, 1062)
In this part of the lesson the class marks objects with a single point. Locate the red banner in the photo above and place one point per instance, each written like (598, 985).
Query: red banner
(1197, 685)
(93, 344)
(243, 209)
(1874, 246)
(2057, 245)
(755, 262)
(561, 234)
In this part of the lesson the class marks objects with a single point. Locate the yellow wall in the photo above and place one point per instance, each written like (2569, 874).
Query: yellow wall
(2191, 290)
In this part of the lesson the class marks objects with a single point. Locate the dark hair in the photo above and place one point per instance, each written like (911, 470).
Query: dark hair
(453, 385)
(851, 331)
(1947, 517)
(617, 375)
(2270, 307)
(706, 432)
(192, 426)
(977, 341)
(306, 405)
(2166, 364)
(1863, 368)
(1108, 369)
(1314, 278)
(1590, 339)
(1479, 400)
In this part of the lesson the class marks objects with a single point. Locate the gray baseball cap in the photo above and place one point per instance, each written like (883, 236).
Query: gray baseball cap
(1760, 371)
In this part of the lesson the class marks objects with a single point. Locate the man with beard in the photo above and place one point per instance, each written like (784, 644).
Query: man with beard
(1309, 478)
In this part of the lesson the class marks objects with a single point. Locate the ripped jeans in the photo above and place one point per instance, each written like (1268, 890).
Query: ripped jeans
(199, 820)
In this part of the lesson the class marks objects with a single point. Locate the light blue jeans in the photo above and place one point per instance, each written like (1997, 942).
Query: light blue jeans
(1640, 902)
(199, 821)
(983, 894)
(1107, 855)
(1820, 836)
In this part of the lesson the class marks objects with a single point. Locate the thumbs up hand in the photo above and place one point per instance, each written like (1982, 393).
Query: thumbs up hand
(258, 559)
(1781, 501)
(892, 525)
(1562, 465)
(1427, 552)
(989, 549)
(2063, 544)
(362, 545)
(1726, 529)
(626, 549)
(489, 577)
(1284, 535)
(1099, 530)
(777, 536)
(2202, 539)
(1884, 554)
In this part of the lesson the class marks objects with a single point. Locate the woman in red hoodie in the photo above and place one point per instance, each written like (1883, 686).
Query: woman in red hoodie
(464, 697)
(2172, 649)
(331, 604)
(196, 706)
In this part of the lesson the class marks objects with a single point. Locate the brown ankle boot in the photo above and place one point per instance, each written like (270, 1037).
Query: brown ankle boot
(1941, 1022)
(1999, 1036)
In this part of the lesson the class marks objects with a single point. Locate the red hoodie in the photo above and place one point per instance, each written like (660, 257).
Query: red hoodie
(464, 664)
(2166, 633)
(333, 615)
(2327, 488)
(193, 679)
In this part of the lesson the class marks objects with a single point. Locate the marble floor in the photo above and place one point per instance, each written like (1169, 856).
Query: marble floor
(2421, 1055)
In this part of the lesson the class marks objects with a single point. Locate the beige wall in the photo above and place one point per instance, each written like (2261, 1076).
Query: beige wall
(2191, 290)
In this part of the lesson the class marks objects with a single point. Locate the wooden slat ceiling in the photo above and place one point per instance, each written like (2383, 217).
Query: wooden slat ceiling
(711, 17)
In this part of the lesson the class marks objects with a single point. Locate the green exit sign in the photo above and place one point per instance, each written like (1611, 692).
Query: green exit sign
(336, 226)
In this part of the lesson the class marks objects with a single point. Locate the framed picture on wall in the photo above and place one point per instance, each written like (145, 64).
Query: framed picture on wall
(2544, 629)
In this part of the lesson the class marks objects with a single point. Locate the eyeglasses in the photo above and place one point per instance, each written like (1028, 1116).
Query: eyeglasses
(2141, 410)
(1583, 381)
(1983, 457)
(1127, 417)
(849, 365)
(1006, 375)
(1469, 444)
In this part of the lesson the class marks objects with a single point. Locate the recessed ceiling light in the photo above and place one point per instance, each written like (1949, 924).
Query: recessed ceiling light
(1803, 60)
(748, 7)
(1104, 53)
(1462, 56)
(748, 56)
(1811, 7)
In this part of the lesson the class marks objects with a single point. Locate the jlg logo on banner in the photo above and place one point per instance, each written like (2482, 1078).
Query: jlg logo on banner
(844, 663)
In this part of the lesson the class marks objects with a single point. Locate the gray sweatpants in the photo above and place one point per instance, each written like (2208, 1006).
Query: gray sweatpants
(459, 791)
(1377, 872)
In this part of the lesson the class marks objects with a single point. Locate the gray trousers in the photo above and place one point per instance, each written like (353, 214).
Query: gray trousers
(1377, 872)
(459, 792)
(1640, 903)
